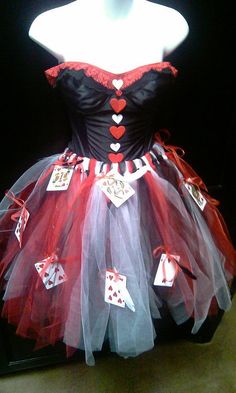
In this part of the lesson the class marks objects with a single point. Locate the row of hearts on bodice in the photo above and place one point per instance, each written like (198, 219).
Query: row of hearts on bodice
(117, 132)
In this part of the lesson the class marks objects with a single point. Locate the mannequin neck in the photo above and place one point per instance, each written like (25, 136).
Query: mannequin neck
(111, 9)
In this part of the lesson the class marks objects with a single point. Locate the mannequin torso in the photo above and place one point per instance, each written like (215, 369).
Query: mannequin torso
(112, 34)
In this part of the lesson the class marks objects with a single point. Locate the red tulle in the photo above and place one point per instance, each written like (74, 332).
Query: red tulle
(215, 221)
(41, 314)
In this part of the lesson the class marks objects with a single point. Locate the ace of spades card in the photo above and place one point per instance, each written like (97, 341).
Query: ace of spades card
(53, 275)
(196, 195)
(114, 285)
(60, 178)
(21, 224)
(166, 271)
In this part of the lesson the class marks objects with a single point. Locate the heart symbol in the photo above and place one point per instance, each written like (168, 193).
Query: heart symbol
(115, 146)
(117, 105)
(117, 118)
(110, 288)
(46, 274)
(61, 278)
(117, 132)
(111, 277)
(50, 282)
(42, 265)
(56, 270)
(119, 301)
(115, 294)
(115, 157)
(118, 83)
(110, 297)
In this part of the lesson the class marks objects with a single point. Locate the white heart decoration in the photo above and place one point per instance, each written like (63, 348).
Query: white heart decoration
(117, 118)
(115, 146)
(118, 83)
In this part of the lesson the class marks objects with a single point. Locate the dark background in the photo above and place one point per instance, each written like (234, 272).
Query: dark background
(201, 119)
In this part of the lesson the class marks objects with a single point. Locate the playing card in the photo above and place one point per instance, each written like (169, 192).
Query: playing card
(21, 224)
(196, 195)
(166, 271)
(60, 178)
(53, 275)
(113, 285)
(115, 290)
(116, 188)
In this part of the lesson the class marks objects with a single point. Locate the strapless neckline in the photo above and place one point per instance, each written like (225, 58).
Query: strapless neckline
(105, 76)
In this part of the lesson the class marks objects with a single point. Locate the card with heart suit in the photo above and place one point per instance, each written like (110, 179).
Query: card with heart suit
(166, 272)
(20, 227)
(116, 292)
(116, 188)
(54, 274)
(196, 195)
(60, 178)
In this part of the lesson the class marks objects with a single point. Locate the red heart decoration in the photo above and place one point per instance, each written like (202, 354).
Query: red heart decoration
(46, 274)
(119, 301)
(56, 269)
(42, 265)
(117, 132)
(110, 288)
(118, 105)
(50, 282)
(111, 277)
(110, 297)
(115, 294)
(115, 157)
(61, 278)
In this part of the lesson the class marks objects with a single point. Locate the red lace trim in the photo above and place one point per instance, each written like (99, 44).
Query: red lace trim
(105, 77)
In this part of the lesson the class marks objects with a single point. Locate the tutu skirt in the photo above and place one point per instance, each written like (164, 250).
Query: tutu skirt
(81, 229)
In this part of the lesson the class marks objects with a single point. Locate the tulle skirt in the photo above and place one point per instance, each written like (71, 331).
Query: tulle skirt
(83, 231)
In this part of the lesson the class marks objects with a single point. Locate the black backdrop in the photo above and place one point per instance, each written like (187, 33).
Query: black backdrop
(203, 109)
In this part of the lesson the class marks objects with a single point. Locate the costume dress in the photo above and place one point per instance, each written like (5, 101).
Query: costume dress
(168, 219)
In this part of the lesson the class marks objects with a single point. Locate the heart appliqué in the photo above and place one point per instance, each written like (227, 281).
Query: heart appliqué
(117, 105)
(117, 83)
(117, 118)
(115, 157)
(115, 146)
(117, 132)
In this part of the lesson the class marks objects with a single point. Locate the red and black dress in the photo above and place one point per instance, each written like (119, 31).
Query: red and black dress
(76, 234)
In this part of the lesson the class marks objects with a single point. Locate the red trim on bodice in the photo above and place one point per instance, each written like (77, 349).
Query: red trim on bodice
(105, 77)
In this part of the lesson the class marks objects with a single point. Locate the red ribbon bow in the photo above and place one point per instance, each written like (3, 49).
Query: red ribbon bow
(172, 258)
(19, 202)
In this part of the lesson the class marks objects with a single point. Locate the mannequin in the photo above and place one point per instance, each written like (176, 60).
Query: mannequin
(114, 35)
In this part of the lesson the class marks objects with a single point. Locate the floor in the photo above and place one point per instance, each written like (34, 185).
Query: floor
(171, 367)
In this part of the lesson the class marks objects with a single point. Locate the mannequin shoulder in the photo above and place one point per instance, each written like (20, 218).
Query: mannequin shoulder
(169, 17)
(47, 29)
(173, 25)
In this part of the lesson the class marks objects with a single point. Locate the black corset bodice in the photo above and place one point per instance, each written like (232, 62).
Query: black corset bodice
(113, 117)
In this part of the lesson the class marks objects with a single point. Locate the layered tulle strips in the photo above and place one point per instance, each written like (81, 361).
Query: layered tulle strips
(53, 267)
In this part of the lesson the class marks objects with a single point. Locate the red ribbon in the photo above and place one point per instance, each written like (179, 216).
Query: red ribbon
(116, 275)
(19, 202)
(190, 176)
(169, 257)
(172, 258)
(51, 259)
